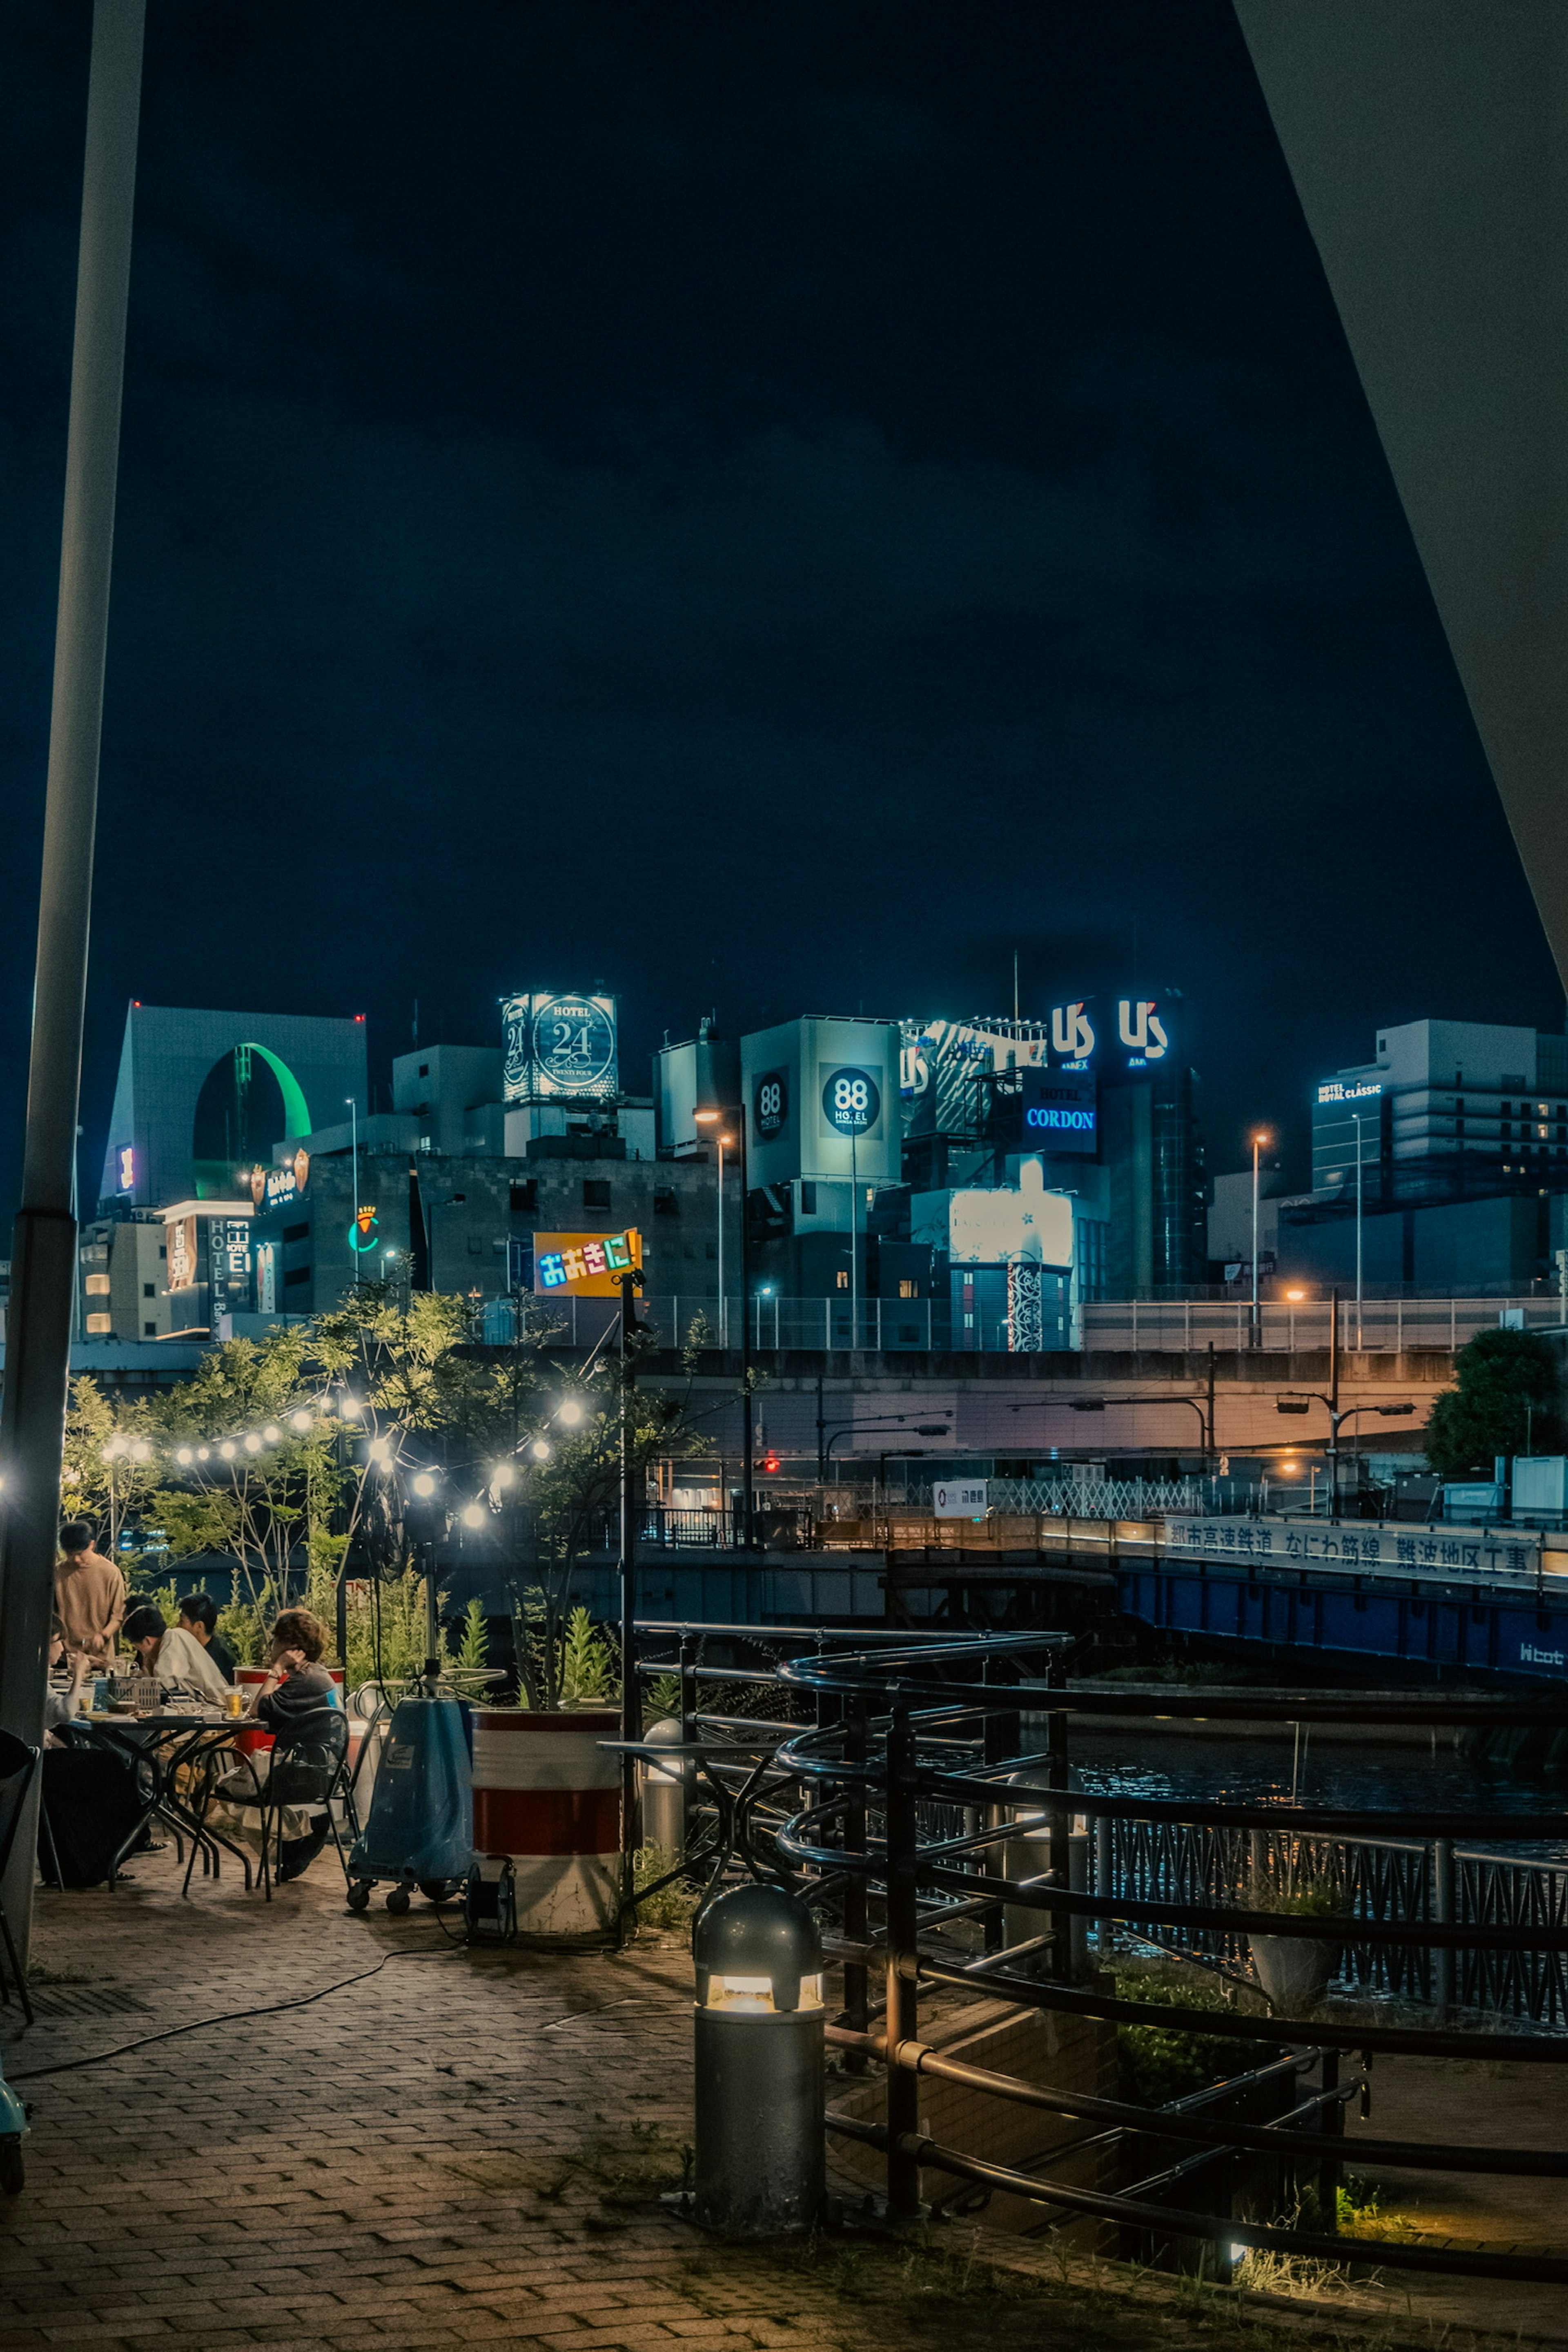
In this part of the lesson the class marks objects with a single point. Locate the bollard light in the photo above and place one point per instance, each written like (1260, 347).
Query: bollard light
(665, 1787)
(760, 2167)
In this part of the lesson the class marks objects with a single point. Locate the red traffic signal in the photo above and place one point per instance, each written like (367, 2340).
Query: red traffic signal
(770, 1464)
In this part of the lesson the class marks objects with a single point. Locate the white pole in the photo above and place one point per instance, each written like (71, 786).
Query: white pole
(724, 1303)
(854, 1245)
(44, 1251)
(1358, 1337)
(1256, 1146)
(354, 1205)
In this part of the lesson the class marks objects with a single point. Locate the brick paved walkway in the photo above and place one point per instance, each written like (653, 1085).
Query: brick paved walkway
(388, 2165)
(463, 2149)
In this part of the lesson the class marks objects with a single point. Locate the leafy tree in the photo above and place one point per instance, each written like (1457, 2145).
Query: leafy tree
(1507, 1401)
(110, 1464)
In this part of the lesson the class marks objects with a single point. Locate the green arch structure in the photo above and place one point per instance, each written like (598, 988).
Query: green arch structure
(296, 1109)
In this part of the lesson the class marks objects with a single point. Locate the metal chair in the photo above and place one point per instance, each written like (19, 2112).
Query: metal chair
(18, 1762)
(307, 1768)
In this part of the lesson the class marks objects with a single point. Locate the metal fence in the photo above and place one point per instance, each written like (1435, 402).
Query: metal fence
(1369, 1879)
(1094, 1498)
(1378, 1326)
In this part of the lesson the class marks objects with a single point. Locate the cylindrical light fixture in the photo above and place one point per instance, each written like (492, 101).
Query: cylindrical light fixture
(760, 2167)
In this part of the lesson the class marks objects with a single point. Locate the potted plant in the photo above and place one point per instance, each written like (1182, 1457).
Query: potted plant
(1294, 1971)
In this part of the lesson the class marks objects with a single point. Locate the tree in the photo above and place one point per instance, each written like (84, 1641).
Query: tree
(111, 1463)
(1507, 1401)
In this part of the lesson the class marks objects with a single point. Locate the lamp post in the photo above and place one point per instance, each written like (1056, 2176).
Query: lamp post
(353, 1151)
(1357, 1117)
(721, 1140)
(1260, 1136)
(1205, 1419)
(711, 1117)
(1338, 1416)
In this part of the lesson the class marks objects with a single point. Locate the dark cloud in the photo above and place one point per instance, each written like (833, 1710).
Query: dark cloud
(773, 509)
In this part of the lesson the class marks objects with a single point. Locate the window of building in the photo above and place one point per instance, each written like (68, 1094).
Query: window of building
(162, 1249)
(98, 1325)
(424, 1069)
(843, 1277)
(149, 1331)
(907, 1289)
(807, 1198)
(595, 1192)
(296, 1233)
(97, 1286)
(666, 1201)
(524, 1197)
(296, 1273)
(149, 1290)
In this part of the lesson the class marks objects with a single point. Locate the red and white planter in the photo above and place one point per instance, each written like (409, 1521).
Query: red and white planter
(549, 1795)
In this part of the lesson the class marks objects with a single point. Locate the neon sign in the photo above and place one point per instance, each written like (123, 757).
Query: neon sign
(364, 1234)
(586, 1262)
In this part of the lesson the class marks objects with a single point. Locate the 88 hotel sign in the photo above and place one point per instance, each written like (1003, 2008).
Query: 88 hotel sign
(851, 1101)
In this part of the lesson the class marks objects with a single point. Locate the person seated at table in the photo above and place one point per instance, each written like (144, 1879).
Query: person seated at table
(60, 1704)
(199, 1618)
(173, 1656)
(297, 1681)
(297, 1688)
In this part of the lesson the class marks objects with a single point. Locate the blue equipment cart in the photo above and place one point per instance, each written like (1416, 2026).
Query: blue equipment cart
(420, 1829)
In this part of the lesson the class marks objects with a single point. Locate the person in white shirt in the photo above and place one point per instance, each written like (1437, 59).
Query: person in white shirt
(173, 1655)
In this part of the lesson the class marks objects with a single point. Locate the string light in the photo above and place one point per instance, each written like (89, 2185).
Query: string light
(571, 1412)
(424, 1484)
(253, 1443)
(301, 1421)
(474, 1516)
(540, 1450)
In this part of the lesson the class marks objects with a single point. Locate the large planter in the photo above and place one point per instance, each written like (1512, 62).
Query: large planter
(548, 1793)
(1294, 1970)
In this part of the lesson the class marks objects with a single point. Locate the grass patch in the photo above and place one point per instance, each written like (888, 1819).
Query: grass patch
(1161, 2063)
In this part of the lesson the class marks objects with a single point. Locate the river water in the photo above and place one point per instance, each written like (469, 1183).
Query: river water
(1393, 1780)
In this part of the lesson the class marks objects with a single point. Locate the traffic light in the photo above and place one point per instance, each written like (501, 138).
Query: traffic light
(771, 1463)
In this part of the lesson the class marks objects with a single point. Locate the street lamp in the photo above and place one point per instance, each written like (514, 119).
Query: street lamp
(1357, 1117)
(711, 1117)
(1338, 1416)
(1205, 1418)
(1260, 1136)
(354, 1153)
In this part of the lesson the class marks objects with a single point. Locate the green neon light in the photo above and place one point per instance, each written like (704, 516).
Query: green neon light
(374, 1229)
(296, 1110)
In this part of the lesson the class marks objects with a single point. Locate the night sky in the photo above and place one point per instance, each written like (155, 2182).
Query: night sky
(765, 508)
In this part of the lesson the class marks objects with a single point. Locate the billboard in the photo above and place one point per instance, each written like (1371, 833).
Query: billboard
(1011, 1223)
(585, 1265)
(1127, 1033)
(821, 1097)
(558, 1048)
(1057, 1110)
(940, 1061)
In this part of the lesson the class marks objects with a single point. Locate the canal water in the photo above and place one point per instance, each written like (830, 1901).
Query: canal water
(1393, 1780)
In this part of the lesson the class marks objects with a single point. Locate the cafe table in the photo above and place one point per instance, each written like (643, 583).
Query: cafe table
(170, 1739)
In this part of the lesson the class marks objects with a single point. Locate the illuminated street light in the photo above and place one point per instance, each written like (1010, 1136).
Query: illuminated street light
(1260, 1136)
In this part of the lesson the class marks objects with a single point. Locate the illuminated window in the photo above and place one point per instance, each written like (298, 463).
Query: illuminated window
(96, 1324)
(907, 1289)
(843, 1279)
(97, 1285)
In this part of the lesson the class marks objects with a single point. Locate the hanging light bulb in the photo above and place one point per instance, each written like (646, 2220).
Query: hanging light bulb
(203, 1451)
(540, 1450)
(351, 1408)
(474, 1515)
(503, 1475)
(570, 1414)
(424, 1484)
(272, 1433)
(184, 1455)
(301, 1421)
(253, 1443)
(228, 1449)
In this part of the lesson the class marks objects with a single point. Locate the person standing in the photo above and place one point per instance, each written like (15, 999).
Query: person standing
(90, 1596)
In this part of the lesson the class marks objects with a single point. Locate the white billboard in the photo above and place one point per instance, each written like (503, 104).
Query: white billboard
(558, 1048)
(1005, 1226)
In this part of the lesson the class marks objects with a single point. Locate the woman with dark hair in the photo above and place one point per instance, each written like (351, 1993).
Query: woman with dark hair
(176, 1657)
(297, 1682)
(296, 1688)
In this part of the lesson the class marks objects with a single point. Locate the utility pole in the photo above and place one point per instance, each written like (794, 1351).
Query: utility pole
(44, 1250)
(631, 1692)
(1333, 1405)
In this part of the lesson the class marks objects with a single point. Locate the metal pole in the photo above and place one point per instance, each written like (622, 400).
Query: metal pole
(631, 1692)
(748, 1500)
(724, 1303)
(1333, 1405)
(1256, 1146)
(1210, 1462)
(902, 2012)
(854, 1245)
(353, 1212)
(44, 1249)
(1358, 1253)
